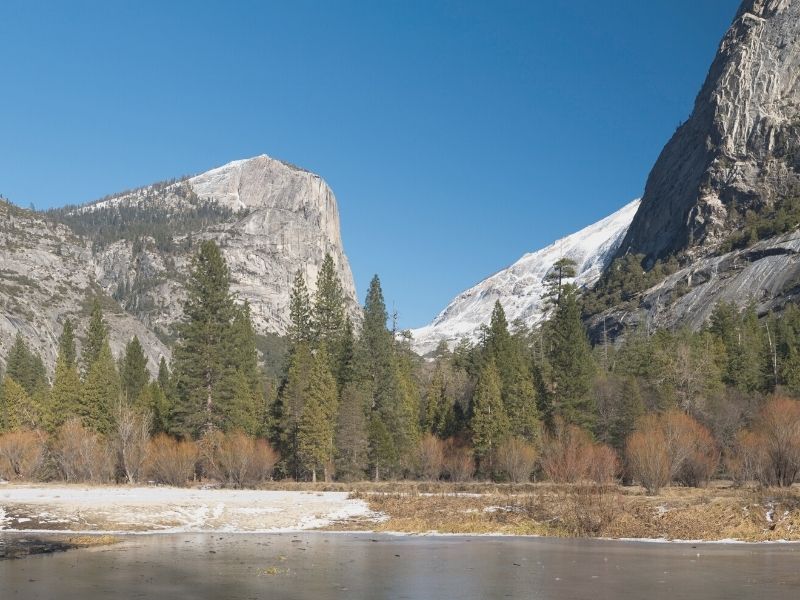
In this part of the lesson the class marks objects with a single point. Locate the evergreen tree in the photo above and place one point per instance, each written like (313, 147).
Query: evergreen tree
(292, 398)
(19, 411)
(245, 410)
(351, 433)
(133, 372)
(65, 395)
(316, 429)
(246, 353)
(329, 310)
(571, 361)
(96, 337)
(381, 449)
(489, 423)
(154, 401)
(556, 278)
(300, 326)
(26, 367)
(101, 392)
(66, 344)
(204, 358)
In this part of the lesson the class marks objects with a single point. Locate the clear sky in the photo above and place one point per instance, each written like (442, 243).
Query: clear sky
(456, 135)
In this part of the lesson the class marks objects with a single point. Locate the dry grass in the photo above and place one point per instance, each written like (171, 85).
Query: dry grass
(714, 513)
(87, 541)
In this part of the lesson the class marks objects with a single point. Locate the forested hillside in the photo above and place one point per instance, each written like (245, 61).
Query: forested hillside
(349, 404)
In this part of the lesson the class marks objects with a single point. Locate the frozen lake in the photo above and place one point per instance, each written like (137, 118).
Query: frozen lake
(318, 565)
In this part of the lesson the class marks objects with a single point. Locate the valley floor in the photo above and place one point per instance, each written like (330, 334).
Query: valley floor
(718, 512)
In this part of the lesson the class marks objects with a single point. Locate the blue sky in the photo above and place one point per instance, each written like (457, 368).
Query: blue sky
(456, 135)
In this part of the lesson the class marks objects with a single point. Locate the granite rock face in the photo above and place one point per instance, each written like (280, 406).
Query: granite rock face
(275, 219)
(740, 148)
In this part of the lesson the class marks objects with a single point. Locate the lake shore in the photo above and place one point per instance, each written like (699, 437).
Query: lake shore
(719, 512)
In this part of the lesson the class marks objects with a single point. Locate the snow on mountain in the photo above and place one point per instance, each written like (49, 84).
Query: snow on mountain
(520, 287)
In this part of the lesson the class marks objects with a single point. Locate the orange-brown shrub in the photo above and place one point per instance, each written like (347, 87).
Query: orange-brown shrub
(671, 447)
(647, 455)
(238, 459)
(21, 454)
(566, 454)
(747, 458)
(80, 454)
(694, 456)
(603, 464)
(778, 430)
(517, 458)
(459, 461)
(170, 461)
(430, 454)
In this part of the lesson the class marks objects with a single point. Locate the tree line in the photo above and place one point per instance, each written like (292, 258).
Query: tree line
(353, 401)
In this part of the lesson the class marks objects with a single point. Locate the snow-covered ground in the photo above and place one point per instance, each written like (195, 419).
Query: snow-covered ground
(170, 510)
(521, 287)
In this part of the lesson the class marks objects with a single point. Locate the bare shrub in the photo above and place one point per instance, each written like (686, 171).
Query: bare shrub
(566, 454)
(671, 447)
(21, 454)
(170, 461)
(603, 464)
(459, 461)
(694, 456)
(589, 509)
(80, 454)
(778, 429)
(647, 455)
(131, 436)
(238, 459)
(517, 459)
(747, 458)
(431, 457)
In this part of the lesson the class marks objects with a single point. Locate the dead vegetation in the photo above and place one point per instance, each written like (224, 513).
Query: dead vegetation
(720, 511)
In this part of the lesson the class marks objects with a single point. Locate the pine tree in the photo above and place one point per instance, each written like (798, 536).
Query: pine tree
(382, 452)
(555, 279)
(203, 360)
(66, 344)
(245, 351)
(101, 392)
(65, 395)
(316, 429)
(26, 367)
(133, 372)
(571, 361)
(300, 327)
(245, 411)
(489, 423)
(19, 411)
(96, 336)
(351, 433)
(329, 311)
(292, 398)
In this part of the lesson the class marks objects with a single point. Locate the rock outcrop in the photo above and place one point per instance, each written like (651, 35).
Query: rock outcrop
(740, 148)
(270, 218)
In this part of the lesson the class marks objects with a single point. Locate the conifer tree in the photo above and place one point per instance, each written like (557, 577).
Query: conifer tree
(316, 429)
(555, 279)
(245, 411)
(292, 399)
(101, 392)
(571, 361)
(134, 376)
(381, 449)
(19, 411)
(26, 367)
(351, 432)
(65, 395)
(300, 326)
(329, 311)
(66, 344)
(203, 361)
(245, 351)
(96, 336)
(489, 421)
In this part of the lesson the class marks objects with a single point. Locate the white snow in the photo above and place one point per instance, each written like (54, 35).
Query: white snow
(170, 510)
(520, 287)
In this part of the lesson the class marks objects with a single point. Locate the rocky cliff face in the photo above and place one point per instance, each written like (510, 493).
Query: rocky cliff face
(134, 249)
(520, 288)
(739, 150)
